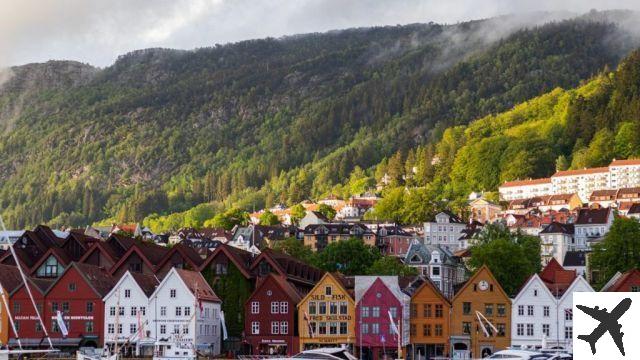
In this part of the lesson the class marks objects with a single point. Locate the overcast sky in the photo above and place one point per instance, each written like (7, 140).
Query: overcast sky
(97, 31)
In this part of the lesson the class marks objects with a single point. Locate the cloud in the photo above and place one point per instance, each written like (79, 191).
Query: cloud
(97, 31)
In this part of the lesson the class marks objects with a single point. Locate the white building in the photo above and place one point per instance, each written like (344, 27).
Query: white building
(185, 309)
(438, 264)
(446, 231)
(525, 189)
(542, 310)
(126, 307)
(591, 226)
(556, 239)
(582, 182)
(624, 173)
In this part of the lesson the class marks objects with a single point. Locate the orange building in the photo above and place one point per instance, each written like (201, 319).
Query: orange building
(480, 317)
(430, 320)
(10, 280)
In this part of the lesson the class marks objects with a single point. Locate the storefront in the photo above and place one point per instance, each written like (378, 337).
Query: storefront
(273, 345)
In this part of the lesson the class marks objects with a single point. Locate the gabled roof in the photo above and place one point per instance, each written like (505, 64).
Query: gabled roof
(473, 278)
(453, 218)
(98, 279)
(102, 247)
(151, 254)
(346, 284)
(147, 283)
(10, 278)
(578, 280)
(526, 182)
(558, 228)
(85, 241)
(575, 258)
(556, 278)
(535, 278)
(285, 285)
(189, 254)
(618, 280)
(289, 266)
(593, 216)
(196, 283)
(56, 252)
(240, 258)
(634, 209)
(47, 236)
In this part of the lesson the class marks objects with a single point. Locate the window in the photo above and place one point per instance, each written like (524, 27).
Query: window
(38, 326)
(284, 327)
(365, 329)
(466, 308)
(412, 330)
(488, 309)
(501, 309)
(530, 310)
(435, 271)
(438, 330)
(438, 310)
(520, 310)
(119, 328)
(72, 287)
(568, 314)
(275, 307)
(187, 311)
(343, 328)
(343, 308)
(520, 329)
(322, 328)
(529, 329)
(133, 328)
(127, 293)
(327, 290)
(535, 292)
(178, 311)
(284, 307)
(121, 310)
(89, 306)
(322, 308)
(375, 328)
(176, 329)
(143, 310)
(635, 289)
(414, 310)
(365, 311)
(502, 329)
(545, 329)
(312, 307)
(545, 311)
(375, 311)
(163, 329)
(333, 308)
(426, 312)
(394, 312)
(172, 293)
(112, 311)
(134, 311)
(275, 328)
(568, 332)
(111, 328)
(426, 330)
(466, 327)
(333, 328)
(16, 307)
(255, 307)
(185, 329)
(65, 306)
(163, 311)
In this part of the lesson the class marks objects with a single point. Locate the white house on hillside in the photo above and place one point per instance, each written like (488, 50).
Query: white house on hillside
(542, 313)
(446, 231)
(185, 309)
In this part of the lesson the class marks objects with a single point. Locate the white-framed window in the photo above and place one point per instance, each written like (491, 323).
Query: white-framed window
(520, 310)
(520, 329)
(255, 328)
(133, 328)
(163, 329)
(176, 329)
(255, 307)
(163, 311)
(530, 310)
(275, 327)
(568, 314)
(187, 311)
(545, 329)
(375, 312)
(529, 329)
(284, 307)
(275, 307)
(546, 311)
(111, 328)
(143, 310)
(284, 328)
(178, 310)
(134, 311)
(127, 293)
(185, 329)
(112, 311)
(568, 332)
(375, 328)
(172, 293)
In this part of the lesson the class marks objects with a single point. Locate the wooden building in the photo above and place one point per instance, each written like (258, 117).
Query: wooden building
(480, 299)
(430, 320)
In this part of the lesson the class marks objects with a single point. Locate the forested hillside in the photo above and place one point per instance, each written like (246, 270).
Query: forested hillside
(275, 120)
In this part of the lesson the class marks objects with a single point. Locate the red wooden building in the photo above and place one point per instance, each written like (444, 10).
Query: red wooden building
(271, 317)
(627, 282)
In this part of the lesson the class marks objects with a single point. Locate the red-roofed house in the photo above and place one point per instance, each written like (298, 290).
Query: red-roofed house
(627, 282)
(543, 307)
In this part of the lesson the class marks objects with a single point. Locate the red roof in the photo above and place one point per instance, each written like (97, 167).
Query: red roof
(198, 285)
(557, 278)
(631, 276)
(581, 172)
(625, 162)
(526, 182)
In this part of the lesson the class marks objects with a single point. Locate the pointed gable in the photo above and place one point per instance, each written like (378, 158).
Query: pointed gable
(241, 259)
(482, 273)
(627, 282)
(556, 278)
(100, 254)
(285, 265)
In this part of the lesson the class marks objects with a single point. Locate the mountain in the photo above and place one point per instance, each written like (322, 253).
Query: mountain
(272, 120)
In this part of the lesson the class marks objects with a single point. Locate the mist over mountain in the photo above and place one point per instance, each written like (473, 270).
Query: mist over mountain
(273, 120)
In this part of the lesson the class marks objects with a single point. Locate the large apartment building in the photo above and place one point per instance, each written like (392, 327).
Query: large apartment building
(619, 174)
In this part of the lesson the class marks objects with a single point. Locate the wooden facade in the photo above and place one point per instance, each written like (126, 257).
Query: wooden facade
(480, 298)
(430, 321)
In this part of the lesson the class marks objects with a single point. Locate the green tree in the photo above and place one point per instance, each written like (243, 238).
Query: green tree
(267, 218)
(512, 258)
(327, 210)
(229, 219)
(350, 257)
(297, 249)
(390, 207)
(390, 265)
(627, 143)
(297, 213)
(619, 251)
(562, 163)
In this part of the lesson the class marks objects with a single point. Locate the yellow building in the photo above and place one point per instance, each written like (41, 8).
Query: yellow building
(10, 280)
(326, 316)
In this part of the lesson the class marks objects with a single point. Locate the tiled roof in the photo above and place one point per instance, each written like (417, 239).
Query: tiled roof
(197, 284)
(625, 162)
(581, 172)
(558, 228)
(10, 278)
(593, 216)
(557, 279)
(618, 284)
(291, 267)
(98, 278)
(147, 283)
(526, 182)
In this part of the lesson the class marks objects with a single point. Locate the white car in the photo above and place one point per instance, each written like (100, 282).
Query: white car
(334, 353)
(519, 355)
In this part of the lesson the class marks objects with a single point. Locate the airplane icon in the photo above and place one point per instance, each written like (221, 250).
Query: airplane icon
(608, 323)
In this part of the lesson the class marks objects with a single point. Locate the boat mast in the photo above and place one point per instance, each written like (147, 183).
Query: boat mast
(5, 300)
(117, 325)
(26, 285)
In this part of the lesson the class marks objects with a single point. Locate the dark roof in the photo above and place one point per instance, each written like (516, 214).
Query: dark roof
(289, 266)
(338, 229)
(634, 209)
(241, 259)
(57, 252)
(558, 228)
(452, 217)
(47, 236)
(197, 284)
(393, 230)
(575, 258)
(97, 277)
(10, 278)
(147, 283)
(593, 216)
(289, 289)
(42, 284)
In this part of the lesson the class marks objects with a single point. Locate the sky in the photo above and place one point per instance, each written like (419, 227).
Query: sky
(97, 31)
